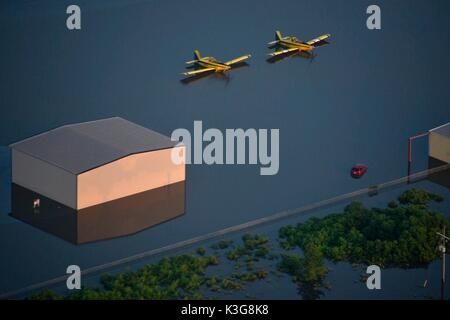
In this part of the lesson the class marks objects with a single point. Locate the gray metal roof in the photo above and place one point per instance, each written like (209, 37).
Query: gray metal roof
(443, 130)
(83, 146)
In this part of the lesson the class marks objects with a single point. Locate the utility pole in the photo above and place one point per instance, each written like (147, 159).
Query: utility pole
(444, 239)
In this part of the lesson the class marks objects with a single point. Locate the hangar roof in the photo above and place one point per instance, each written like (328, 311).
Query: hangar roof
(84, 146)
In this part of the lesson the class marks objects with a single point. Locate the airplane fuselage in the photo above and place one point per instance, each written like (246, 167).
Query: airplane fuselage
(290, 43)
(212, 63)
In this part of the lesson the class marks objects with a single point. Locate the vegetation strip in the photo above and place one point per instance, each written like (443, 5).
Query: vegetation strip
(401, 235)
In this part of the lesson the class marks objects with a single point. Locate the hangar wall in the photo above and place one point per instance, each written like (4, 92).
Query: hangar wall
(44, 178)
(128, 176)
(439, 147)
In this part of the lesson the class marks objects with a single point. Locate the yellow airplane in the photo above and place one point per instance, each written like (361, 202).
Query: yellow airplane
(292, 44)
(209, 64)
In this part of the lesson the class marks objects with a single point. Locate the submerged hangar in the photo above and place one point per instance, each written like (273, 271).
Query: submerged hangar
(96, 180)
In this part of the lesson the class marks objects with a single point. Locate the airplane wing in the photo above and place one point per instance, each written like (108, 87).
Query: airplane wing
(277, 53)
(191, 73)
(317, 40)
(237, 60)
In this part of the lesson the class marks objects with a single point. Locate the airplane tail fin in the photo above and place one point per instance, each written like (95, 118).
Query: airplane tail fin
(197, 55)
(278, 38)
(278, 35)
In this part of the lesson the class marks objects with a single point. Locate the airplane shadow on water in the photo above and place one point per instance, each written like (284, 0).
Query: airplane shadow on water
(303, 55)
(221, 76)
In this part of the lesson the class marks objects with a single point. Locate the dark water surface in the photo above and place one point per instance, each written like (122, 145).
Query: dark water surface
(357, 101)
(344, 281)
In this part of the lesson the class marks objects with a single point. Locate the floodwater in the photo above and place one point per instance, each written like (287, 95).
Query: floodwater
(343, 281)
(358, 100)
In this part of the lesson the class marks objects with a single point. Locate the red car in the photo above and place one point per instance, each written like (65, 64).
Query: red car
(358, 170)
